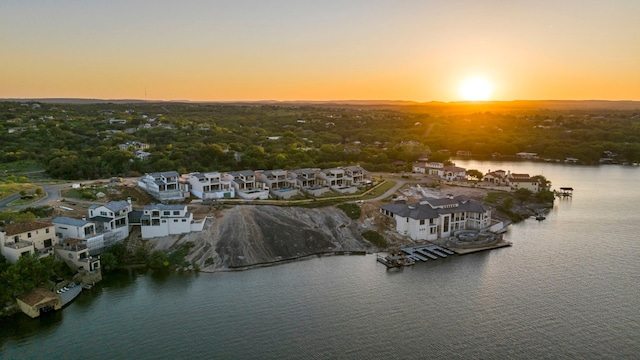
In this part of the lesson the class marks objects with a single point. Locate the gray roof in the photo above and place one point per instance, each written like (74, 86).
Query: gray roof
(164, 207)
(424, 210)
(165, 174)
(70, 221)
(116, 206)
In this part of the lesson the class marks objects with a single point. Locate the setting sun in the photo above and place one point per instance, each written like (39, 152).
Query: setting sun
(475, 89)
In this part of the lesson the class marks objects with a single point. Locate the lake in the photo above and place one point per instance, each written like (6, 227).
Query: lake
(567, 288)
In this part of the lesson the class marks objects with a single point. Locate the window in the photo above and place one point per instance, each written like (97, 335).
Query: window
(166, 213)
(422, 222)
(184, 220)
(176, 212)
(28, 235)
(46, 230)
(164, 221)
(175, 220)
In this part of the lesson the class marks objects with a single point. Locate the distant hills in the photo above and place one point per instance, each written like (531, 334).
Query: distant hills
(433, 106)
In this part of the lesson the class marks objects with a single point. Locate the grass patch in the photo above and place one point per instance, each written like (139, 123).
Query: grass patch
(379, 190)
(85, 193)
(352, 210)
(375, 238)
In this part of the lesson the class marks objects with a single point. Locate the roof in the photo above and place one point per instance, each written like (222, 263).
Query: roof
(425, 209)
(454, 169)
(37, 296)
(70, 221)
(19, 228)
(117, 205)
(165, 174)
(165, 207)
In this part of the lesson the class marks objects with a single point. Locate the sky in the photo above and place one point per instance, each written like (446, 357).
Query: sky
(415, 50)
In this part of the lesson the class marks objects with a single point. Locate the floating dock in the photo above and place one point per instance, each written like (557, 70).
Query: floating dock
(428, 251)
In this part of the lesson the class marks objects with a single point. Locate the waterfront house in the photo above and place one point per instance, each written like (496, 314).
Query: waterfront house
(523, 181)
(75, 253)
(209, 185)
(163, 220)
(419, 167)
(165, 186)
(34, 237)
(111, 220)
(431, 219)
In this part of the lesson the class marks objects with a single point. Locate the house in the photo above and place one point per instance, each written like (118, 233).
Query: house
(244, 183)
(357, 174)
(81, 229)
(454, 173)
(307, 180)
(163, 220)
(165, 186)
(209, 185)
(435, 169)
(75, 253)
(38, 301)
(419, 167)
(523, 181)
(112, 220)
(34, 237)
(336, 179)
(133, 145)
(498, 177)
(431, 219)
(527, 155)
(278, 182)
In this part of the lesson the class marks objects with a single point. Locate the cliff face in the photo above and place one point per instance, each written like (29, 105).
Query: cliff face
(251, 235)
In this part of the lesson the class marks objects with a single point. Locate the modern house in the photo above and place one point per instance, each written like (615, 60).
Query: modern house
(336, 179)
(307, 180)
(358, 175)
(165, 186)
(209, 185)
(245, 185)
(81, 229)
(431, 219)
(163, 220)
(111, 220)
(34, 237)
(133, 146)
(278, 182)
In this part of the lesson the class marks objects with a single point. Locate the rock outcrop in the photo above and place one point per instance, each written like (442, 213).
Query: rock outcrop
(249, 235)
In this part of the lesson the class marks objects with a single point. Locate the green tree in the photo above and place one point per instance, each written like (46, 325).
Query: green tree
(476, 174)
(108, 261)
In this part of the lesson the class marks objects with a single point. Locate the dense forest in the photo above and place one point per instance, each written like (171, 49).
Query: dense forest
(80, 141)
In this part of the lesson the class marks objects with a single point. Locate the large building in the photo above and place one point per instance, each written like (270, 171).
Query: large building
(431, 219)
(165, 186)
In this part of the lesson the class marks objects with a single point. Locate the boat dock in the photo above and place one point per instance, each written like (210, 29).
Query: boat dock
(427, 252)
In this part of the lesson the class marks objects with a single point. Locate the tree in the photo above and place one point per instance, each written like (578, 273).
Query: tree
(108, 261)
(523, 194)
(476, 174)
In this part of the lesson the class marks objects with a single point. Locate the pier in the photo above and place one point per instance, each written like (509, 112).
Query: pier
(427, 252)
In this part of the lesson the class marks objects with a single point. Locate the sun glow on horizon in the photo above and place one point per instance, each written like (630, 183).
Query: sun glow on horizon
(475, 89)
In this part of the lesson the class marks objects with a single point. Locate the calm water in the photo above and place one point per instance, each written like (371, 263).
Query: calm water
(567, 288)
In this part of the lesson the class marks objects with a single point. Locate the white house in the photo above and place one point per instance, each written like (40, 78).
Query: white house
(523, 181)
(75, 253)
(357, 174)
(83, 229)
(419, 167)
(163, 220)
(336, 179)
(165, 186)
(279, 183)
(453, 173)
(34, 237)
(209, 185)
(244, 183)
(431, 219)
(111, 219)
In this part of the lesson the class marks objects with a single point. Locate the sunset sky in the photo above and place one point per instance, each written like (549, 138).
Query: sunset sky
(420, 50)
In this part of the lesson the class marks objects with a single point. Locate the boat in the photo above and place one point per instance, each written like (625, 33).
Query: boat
(540, 217)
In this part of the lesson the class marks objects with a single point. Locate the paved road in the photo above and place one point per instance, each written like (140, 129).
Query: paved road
(7, 200)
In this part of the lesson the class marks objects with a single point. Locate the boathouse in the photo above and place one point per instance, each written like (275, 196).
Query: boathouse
(39, 301)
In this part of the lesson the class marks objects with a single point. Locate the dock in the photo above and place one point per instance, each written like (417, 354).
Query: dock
(427, 251)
